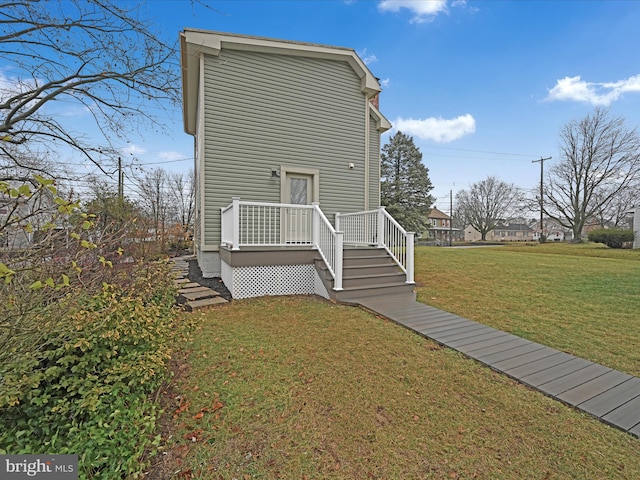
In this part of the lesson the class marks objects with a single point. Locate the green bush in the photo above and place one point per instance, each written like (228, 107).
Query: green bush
(611, 237)
(85, 390)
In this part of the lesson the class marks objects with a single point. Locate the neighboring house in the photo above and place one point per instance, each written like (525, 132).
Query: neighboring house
(509, 232)
(440, 227)
(21, 219)
(287, 150)
(551, 235)
(553, 231)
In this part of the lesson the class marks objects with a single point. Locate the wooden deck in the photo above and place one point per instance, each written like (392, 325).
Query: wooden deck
(610, 395)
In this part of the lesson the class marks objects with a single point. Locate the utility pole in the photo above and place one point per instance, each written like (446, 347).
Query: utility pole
(450, 217)
(120, 184)
(542, 238)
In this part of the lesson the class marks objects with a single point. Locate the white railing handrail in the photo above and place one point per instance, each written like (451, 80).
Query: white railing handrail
(378, 227)
(353, 214)
(332, 252)
(404, 261)
(269, 204)
(393, 220)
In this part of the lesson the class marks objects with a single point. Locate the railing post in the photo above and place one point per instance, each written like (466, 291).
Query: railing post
(315, 225)
(337, 222)
(338, 253)
(381, 211)
(235, 235)
(410, 250)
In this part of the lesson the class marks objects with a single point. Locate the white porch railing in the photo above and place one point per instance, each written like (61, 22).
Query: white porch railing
(329, 243)
(257, 224)
(377, 227)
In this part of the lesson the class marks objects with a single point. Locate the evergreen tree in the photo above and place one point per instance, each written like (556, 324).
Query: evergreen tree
(405, 184)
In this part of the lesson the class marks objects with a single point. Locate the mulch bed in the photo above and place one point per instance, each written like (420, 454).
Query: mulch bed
(214, 283)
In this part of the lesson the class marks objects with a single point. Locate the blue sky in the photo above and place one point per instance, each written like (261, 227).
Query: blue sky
(484, 87)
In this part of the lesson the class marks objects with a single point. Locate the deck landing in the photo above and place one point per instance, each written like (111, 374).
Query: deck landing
(610, 395)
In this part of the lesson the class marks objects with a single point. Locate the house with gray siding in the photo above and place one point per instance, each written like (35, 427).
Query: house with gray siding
(287, 162)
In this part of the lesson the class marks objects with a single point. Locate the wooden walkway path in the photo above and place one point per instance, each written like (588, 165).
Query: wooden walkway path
(610, 395)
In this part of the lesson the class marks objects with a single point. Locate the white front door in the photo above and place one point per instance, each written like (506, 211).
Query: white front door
(297, 222)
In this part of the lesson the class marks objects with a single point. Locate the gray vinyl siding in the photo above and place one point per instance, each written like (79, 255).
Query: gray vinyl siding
(374, 165)
(265, 110)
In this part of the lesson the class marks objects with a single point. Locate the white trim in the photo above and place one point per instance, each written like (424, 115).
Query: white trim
(201, 152)
(383, 123)
(314, 172)
(367, 120)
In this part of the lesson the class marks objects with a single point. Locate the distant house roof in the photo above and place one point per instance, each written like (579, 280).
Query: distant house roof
(514, 227)
(193, 42)
(435, 213)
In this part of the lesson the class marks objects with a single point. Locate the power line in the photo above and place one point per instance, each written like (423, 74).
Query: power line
(482, 151)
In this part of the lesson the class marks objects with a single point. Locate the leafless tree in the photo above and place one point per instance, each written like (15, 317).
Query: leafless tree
(154, 199)
(599, 162)
(615, 213)
(487, 203)
(182, 196)
(93, 56)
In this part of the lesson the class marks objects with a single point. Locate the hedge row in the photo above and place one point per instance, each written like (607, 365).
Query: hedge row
(611, 237)
(85, 387)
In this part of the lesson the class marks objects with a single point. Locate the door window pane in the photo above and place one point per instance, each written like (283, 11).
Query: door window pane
(298, 189)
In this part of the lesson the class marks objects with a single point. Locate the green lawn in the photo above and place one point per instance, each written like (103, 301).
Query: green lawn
(581, 299)
(299, 388)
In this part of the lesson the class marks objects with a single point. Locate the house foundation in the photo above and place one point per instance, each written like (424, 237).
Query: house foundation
(209, 263)
(263, 272)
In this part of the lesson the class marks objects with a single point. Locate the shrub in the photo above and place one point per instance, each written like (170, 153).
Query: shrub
(612, 237)
(85, 388)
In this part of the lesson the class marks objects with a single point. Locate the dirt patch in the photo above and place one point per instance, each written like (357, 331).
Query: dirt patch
(167, 463)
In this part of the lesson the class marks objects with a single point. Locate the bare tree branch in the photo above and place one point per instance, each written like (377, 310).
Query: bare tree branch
(96, 54)
(487, 203)
(600, 162)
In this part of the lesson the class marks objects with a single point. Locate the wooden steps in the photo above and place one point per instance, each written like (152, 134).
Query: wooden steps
(367, 272)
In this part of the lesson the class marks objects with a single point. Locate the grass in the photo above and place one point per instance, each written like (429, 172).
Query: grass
(300, 388)
(581, 299)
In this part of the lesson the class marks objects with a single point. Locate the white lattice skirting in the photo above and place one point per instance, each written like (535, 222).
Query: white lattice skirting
(258, 281)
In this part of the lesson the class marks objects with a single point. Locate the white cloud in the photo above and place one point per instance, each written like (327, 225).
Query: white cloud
(133, 149)
(10, 86)
(7, 87)
(172, 156)
(74, 111)
(578, 90)
(385, 83)
(438, 129)
(367, 58)
(424, 10)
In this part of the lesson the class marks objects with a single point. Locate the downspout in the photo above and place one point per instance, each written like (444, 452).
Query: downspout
(196, 197)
